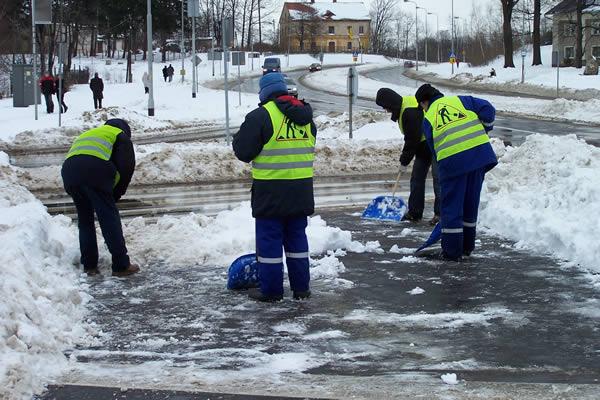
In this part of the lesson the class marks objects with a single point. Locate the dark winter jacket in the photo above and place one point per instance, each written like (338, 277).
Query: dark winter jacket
(165, 71)
(412, 128)
(95, 172)
(47, 85)
(275, 198)
(62, 84)
(97, 86)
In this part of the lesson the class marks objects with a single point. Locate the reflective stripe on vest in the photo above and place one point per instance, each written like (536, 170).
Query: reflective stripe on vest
(289, 153)
(97, 142)
(455, 129)
(408, 102)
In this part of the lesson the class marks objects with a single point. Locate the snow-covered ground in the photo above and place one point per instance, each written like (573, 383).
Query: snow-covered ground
(174, 106)
(585, 111)
(540, 75)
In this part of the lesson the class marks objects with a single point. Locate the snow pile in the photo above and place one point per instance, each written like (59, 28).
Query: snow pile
(449, 379)
(545, 194)
(196, 239)
(42, 303)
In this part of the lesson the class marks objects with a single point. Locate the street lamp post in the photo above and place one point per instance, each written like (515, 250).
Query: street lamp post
(437, 17)
(34, 51)
(417, 31)
(452, 38)
(182, 49)
(426, 33)
(150, 58)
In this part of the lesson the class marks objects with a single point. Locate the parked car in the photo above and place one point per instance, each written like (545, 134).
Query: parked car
(272, 64)
(291, 86)
(315, 67)
(409, 64)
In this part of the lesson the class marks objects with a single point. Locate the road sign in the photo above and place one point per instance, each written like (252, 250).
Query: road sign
(197, 60)
(523, 53)
(228, 31)
(238, 58)
(215, 55)
(182, 72)
(193, 9)
(452, 60)
(355, 54)
(43, 12)
(254, 55)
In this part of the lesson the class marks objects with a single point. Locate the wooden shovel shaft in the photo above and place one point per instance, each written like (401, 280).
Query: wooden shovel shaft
(397, 182)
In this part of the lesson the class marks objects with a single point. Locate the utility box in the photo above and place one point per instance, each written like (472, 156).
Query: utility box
(23, 81)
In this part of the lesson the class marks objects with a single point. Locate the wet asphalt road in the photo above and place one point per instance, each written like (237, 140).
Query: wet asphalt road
(512, 130)
(501, 317)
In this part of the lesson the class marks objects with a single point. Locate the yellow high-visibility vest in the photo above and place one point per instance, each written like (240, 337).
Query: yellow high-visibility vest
(455, 129)
(289, 153)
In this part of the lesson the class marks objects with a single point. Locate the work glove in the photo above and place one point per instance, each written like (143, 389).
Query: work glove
(403, 169)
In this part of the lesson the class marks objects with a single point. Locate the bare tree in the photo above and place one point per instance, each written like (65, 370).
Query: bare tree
(382, 13)
(507, 11)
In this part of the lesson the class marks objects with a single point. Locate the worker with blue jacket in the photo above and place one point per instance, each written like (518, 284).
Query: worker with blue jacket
(96, 173)
(456, 128)
(278, 139)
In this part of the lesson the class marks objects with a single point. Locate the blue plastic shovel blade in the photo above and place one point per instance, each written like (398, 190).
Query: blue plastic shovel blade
(435, 236)
(386, 208)
(243, 273)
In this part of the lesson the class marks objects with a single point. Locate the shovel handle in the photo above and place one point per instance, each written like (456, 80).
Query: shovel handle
(397, 182)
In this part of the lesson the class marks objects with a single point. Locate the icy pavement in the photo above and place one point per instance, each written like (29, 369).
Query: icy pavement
(506, 322)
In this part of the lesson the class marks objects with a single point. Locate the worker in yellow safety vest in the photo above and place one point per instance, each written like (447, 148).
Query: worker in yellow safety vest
(278, 139)
(456, 129)
(406, 112)
(96, 173)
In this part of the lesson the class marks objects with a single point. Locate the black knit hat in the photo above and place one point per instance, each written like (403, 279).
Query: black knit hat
(427, 92)
(121, 124)
(388, 99)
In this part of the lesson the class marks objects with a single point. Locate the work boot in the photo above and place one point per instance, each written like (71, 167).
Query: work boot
(256, 294)
(130, 270)
(442, 255)
(411, 217)
(433, 221)
(301, 295)
(92, 271)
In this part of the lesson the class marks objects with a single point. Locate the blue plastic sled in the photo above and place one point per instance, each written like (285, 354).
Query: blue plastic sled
(243, 273)
(435, 236)
(387, 208)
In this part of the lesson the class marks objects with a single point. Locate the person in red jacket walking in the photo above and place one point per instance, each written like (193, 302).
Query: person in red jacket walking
(48, 89)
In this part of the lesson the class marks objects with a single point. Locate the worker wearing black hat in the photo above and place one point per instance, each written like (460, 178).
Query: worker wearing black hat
(455, 128)
(406, 112)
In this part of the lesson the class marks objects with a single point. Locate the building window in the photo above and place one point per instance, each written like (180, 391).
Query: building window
(595, 27)
(349, 45)
(569, 29)
(332, 30)
(569, 52)
(361, 30)
(596, 52)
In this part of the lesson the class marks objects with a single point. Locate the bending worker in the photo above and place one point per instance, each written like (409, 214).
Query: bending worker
(455, 128)
(279, 139)
(96, 173)
(405, 110)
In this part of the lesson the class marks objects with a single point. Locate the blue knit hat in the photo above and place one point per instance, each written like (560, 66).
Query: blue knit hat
(121, 124)
(271, 84)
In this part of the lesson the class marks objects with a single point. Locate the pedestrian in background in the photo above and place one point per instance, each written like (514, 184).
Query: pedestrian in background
(278, 138)
(171, 72)
(406, 112)
(60, 83)
(146, 82)
(455, 128)
(96, 173)
(97, 87)
(165, 72)
(48, 89)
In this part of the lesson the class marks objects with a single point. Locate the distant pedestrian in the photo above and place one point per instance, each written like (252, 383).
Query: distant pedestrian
(97, 87)
(48, 89)
(60, 94)
(171, 71)
(457, 63)
(96, 173)
(165, 72)
(492, 73)
(146, 82)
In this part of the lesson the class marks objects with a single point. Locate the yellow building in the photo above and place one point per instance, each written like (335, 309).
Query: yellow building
(324, 27)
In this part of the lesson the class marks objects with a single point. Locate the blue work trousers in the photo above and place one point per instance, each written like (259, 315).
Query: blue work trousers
(460, 206)
(272, 236)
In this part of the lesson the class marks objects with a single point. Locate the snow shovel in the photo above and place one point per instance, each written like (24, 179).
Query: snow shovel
(435, 236)
(387, 208)
(243, 273)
